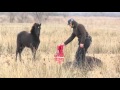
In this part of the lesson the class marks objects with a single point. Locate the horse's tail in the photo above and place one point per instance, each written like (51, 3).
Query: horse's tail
(18, 39)
(18, 45)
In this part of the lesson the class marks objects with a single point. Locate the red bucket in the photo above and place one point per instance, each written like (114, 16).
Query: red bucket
(59, 56)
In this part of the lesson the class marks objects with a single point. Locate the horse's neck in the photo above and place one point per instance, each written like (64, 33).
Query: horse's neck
(35, 37)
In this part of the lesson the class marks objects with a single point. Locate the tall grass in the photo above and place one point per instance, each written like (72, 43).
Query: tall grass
(105, 33)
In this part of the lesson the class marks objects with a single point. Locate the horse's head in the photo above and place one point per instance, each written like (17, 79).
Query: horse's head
(36, 29)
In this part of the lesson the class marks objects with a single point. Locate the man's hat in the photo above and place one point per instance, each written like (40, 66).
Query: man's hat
(70, 20)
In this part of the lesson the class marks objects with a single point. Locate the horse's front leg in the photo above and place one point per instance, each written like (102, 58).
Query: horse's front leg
(33, 49)
(34, 53)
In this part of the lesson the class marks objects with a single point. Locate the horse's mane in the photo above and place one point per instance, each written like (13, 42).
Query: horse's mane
(33, 28)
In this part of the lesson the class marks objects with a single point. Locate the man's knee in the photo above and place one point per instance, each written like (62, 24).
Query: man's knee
(87, 44)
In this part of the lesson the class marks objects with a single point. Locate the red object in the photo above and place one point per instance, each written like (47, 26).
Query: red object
(59, 56)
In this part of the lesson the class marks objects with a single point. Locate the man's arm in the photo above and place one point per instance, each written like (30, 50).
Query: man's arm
(70, 39)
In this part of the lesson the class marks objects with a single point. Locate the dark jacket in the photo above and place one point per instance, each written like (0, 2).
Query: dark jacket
(79, 31)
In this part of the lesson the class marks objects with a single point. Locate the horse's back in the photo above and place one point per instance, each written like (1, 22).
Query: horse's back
(23, 37)
(23, 33)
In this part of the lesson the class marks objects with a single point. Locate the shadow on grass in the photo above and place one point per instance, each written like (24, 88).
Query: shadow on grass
(89, 64)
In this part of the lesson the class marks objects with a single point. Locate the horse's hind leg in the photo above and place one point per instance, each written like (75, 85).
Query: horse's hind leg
(19, 50)
(16, 54)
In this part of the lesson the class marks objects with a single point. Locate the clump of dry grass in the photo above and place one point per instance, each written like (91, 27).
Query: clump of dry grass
(105, 46)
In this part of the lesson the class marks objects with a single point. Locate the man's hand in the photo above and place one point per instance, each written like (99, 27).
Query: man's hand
(81, 45)
(63, 44)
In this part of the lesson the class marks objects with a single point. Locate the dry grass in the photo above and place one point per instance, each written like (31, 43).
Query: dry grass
(105, 32)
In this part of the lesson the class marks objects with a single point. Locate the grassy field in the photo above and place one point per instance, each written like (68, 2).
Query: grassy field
(105, 32)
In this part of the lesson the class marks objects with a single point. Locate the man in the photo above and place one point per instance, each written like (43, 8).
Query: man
(84, 40)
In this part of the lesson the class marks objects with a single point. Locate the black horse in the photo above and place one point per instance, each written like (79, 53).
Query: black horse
(30, 40)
